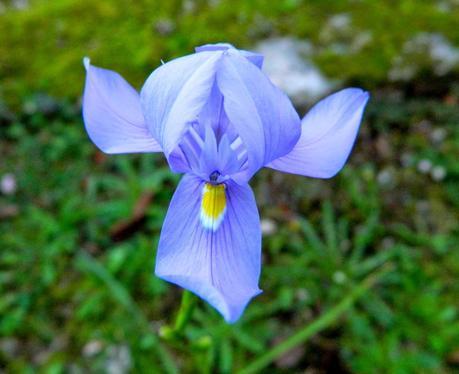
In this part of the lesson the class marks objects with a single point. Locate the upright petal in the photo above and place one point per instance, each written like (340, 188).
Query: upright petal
(254, 58)
(328, 134)
(174, 95)
(209, 155)
(112, 113)
(216, 256)
(262, 115)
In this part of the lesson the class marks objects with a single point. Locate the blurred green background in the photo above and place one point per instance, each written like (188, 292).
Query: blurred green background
(78, 229)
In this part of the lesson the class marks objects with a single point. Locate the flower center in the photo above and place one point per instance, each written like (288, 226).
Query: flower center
(213, 205)
(212, 158)
(213, 177)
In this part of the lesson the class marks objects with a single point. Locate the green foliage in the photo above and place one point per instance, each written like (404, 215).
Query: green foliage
(74, 297)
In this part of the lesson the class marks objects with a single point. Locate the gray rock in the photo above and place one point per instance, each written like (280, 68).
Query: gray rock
(288, 65)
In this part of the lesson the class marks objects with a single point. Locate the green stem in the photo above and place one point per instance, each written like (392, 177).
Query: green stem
(183, 317)
(319, 324)
(185, 312)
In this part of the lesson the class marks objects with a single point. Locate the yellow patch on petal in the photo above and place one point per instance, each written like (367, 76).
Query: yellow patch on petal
(213, 205)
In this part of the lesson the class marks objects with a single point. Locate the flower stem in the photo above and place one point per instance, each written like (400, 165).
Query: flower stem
(185, 312)
(319, 324)
(183, 317)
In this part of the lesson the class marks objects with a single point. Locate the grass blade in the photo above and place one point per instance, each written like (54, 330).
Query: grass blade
(319, 324)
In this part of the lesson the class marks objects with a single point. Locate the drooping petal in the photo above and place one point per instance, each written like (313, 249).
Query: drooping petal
(174, 95)
(219, 261)
(262, 115)
(327, 136)
(112, 113)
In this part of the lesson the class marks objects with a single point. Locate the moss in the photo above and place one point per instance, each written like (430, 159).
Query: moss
(41, 46)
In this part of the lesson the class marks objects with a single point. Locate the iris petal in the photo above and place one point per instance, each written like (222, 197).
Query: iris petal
(327, 137)
(254, 58)
(262, 115)
(112, 113)
(221, 266)
(175, 94)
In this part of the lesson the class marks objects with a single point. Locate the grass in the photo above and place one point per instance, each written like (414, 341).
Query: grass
(68, 281)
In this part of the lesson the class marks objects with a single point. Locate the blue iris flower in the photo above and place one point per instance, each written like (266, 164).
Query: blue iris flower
(218, 119)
